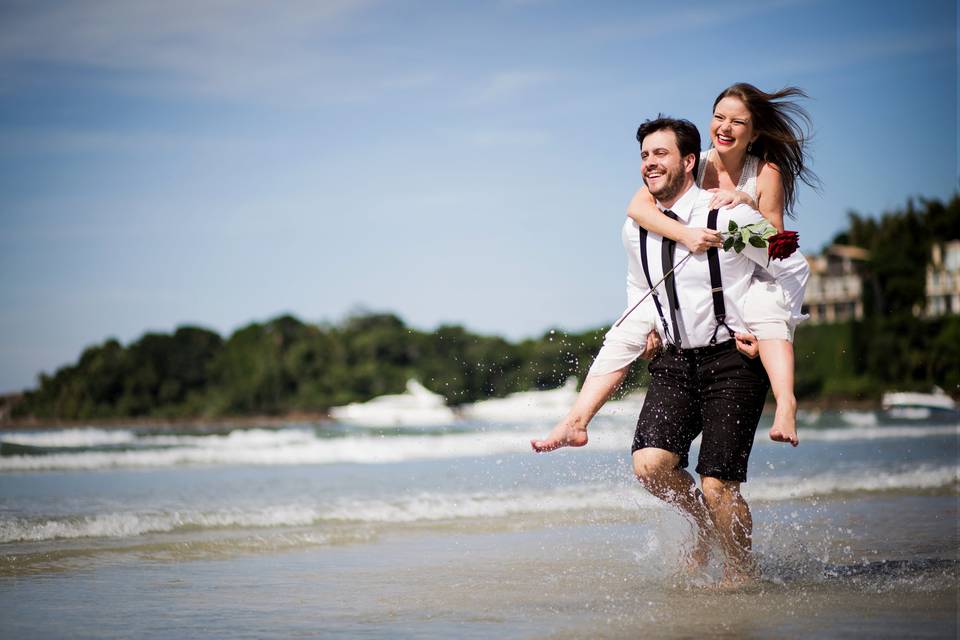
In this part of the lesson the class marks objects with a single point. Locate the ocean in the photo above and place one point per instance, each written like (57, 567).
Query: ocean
(327, 530)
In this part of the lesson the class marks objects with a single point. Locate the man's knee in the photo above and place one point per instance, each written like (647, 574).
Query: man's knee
(651, 465)
(717, 491)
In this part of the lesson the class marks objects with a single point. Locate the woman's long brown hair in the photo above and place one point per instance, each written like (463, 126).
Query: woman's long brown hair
(784, 132)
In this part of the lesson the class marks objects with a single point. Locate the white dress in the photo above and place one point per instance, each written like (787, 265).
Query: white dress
(768, 313)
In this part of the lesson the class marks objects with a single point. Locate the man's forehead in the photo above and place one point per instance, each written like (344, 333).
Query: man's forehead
(661, 138)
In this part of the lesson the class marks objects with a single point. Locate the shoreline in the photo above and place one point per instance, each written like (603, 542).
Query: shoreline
(145, 423)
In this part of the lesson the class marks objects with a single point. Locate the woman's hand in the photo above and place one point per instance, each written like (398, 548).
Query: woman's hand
(652, 346)
(727, 198)
(699, 239)
(747, 344)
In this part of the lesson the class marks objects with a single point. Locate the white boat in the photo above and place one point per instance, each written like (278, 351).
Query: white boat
(526, 406)
(416, 407)
(910, 405)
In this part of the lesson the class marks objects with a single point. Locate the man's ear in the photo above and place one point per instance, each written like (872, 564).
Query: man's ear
(689, 161)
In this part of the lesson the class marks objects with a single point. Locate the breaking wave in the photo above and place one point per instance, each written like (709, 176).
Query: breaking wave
(612, 498)
(90, 449)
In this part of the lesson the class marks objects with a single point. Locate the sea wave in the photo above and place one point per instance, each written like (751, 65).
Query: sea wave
(825, 484)
(90, 449)
(622, 498)
(420, 507)
(71, 438)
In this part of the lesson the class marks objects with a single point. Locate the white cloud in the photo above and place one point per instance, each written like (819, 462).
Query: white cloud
(693, 17)
(291, 52)
(826, 56)
(506, 85)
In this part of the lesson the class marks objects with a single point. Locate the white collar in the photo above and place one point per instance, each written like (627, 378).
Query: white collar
(683, 207)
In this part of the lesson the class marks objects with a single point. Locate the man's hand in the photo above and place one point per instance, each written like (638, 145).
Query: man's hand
(652, 347)
(747, 344)
(727, 198)
(699, 239)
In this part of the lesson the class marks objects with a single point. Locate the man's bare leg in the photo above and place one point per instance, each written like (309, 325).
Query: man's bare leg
(733, 523)
(571, 431)
(777, 358)
(657, 471)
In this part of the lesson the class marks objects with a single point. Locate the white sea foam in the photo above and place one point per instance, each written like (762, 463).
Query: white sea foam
(404, 509)
(875, 432)
(70, 438)
(296, 446)
(129, 524)
(620, 497)
(304, 446)
(825, 484)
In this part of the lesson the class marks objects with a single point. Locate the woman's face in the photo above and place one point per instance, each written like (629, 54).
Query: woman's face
(732, 126)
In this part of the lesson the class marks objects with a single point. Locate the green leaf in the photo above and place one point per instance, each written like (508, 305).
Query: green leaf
(738, 245)
(728, 243)
(732, 227)
(758, 241)
(745, 234)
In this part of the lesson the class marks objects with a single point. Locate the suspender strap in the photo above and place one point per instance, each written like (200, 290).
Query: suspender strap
(716, 282)
(667, 250)
(646, 273)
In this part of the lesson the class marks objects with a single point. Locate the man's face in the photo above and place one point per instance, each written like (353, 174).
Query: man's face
(662, 165)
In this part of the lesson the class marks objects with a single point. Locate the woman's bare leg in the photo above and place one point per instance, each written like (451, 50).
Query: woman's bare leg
(777, 358)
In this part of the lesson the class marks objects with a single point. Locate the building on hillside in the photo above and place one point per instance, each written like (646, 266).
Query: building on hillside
(943, 279)
(835, 289)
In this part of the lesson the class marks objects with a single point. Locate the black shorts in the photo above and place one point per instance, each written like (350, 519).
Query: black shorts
(714, 390)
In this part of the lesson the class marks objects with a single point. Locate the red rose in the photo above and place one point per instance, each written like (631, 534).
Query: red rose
(782, 245)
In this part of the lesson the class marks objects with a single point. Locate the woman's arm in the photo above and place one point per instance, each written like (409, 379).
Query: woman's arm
(643, 210)
(770, 195)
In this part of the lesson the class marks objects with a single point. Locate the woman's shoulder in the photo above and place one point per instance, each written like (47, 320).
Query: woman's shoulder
(765, 167)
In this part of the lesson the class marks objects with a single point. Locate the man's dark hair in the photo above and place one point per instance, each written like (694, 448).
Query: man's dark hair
(688, 137)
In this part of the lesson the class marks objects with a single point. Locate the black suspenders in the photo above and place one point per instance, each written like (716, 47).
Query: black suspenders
(716, 283)
(646, 273)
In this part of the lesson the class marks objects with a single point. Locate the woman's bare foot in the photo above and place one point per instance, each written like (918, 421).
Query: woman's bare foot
(784, 427)
(563, 435)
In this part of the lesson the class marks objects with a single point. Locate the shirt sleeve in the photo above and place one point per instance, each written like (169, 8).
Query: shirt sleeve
(636, 282)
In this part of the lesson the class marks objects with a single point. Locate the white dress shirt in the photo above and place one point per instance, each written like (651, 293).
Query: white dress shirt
(695, 317)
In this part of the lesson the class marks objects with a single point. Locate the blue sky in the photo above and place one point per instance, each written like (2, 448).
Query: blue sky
(217, 163)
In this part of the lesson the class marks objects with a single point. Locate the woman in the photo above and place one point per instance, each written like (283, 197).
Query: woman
(757, 157)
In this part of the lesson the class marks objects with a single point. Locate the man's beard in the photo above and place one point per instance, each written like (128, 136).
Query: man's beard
(671, 187)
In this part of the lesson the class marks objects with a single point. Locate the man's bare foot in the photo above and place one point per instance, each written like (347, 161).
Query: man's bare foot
(563, 435)
(738, 576)
(699, 557)
(784, 427)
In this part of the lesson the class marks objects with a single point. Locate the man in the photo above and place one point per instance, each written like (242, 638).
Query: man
(701, 382)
